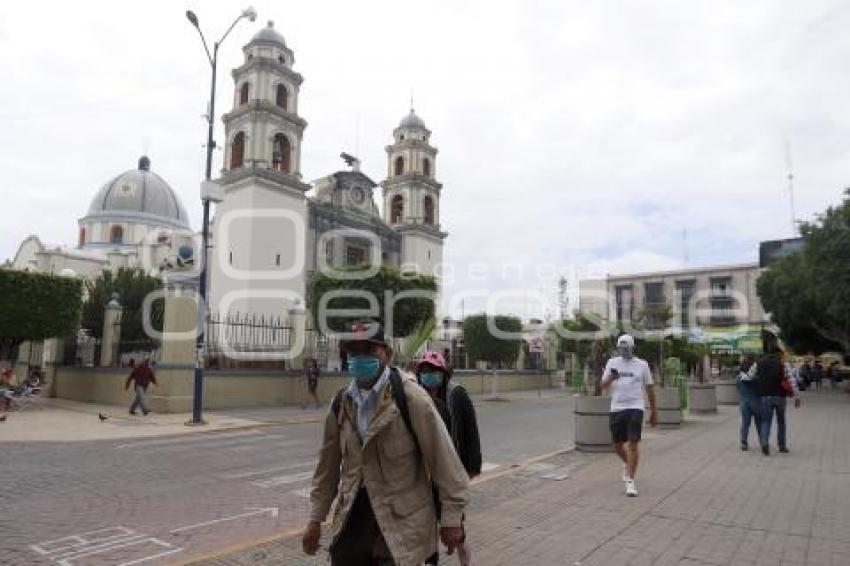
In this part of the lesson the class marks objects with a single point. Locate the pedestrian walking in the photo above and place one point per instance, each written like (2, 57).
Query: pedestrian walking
(141, 376)
(628, 376)
(7, 387)
(312, 382)
(805, 375)
(384, 447)
(773, 388)
(748, 402)
(817, 374)
(458, 414)
(832, 375)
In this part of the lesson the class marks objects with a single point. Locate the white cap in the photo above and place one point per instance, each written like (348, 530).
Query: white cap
(626, 340)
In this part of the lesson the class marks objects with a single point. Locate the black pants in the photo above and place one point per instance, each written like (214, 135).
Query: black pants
(360, 543)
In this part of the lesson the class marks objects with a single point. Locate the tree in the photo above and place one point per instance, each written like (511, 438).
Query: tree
(808, 293)
(130, 286)
(387, 287)
(482, 345)
(36, 306)
(580, 334)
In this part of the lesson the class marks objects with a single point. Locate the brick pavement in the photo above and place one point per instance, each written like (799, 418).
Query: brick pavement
(702, 502)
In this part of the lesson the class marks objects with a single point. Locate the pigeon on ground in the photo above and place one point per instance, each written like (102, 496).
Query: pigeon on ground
(102, 417)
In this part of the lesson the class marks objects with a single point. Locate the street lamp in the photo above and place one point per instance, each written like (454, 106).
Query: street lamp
(198, 389)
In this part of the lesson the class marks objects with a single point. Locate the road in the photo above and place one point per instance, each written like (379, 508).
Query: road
(169, 499)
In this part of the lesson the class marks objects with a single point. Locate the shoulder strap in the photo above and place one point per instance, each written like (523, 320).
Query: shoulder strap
(400, 398)
(450, 401)
(337, 403)
(450, 397)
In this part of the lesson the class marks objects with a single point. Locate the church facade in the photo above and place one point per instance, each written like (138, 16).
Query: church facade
(272, 230)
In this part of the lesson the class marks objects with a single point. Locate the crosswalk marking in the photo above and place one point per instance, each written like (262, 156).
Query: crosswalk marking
(261, 472)
(283, 480)
(197, 438)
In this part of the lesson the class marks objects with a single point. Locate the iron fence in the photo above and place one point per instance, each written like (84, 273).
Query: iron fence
(247, 341)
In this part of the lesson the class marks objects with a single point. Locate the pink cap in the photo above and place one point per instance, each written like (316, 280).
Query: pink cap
(435, 359)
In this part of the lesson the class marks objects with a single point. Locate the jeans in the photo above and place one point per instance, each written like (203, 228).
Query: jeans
(139, 400)
(768, 406)
(750, 413)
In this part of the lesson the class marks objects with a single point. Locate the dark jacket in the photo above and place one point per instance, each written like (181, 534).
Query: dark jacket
(769, 374)
(464, 429)
(143, 376)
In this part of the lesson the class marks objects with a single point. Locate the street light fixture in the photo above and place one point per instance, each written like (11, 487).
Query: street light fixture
(198, 388)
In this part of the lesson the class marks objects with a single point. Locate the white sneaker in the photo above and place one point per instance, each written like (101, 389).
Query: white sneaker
(626, 476)
(631, 490)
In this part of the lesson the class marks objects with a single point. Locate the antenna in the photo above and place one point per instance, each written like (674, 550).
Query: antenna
(685, 245)
(411, 99)
(790, 178)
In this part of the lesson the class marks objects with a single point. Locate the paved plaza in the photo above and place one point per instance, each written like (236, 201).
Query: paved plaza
(702, 502)
(78, 492)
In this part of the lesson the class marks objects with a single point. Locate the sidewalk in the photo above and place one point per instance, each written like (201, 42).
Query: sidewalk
(60, 420)
(702, 502)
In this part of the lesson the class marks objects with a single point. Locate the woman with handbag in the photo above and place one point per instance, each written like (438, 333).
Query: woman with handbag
(774, 387)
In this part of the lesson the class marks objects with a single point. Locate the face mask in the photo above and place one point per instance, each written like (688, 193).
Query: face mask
(363, 369)
(431, 379)
(626, 352)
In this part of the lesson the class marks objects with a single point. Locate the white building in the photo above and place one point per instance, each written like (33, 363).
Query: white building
(134, 220)
(269, 235)
(702, 298)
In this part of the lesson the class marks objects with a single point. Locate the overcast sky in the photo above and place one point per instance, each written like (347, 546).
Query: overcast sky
(592, 136)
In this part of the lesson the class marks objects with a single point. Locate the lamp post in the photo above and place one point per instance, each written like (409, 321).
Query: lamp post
(198, 387)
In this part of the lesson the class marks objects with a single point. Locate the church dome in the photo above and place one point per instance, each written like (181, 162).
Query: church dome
(268, 35)
(142, 195)
(412, 121)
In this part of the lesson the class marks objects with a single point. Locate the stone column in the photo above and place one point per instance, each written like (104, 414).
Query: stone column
(111, 332)
(174, 371)
(298, 340)
(179, 325)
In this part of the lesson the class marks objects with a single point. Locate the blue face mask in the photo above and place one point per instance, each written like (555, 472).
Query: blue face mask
(431, 379)
(363, 369)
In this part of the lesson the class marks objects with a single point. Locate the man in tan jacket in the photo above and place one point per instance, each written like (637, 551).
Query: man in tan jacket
(382, 463)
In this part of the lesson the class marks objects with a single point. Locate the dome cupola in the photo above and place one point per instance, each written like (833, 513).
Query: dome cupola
(138, 195)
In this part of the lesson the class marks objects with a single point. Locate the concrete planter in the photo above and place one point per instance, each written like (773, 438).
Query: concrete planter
(669, 407)
(592, 433)
(702, 398)
(727, 393)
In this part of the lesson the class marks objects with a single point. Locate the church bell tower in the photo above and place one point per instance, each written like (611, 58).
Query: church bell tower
(260, 227)
(412, 196)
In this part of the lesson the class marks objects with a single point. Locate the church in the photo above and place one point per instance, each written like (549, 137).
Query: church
(272, 229)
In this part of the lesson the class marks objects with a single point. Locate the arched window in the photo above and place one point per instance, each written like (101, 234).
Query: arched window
(237, 151)
(281, 153)
(116, 235)
(428, 212)
(243, 93)
(399, 165)
(426, 167)
(281, 96)
(396, 209)
(82, 236)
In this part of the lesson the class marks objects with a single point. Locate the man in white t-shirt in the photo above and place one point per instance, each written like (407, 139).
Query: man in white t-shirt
(628, 377)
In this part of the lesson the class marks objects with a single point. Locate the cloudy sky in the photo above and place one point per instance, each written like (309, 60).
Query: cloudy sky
(576, 138)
